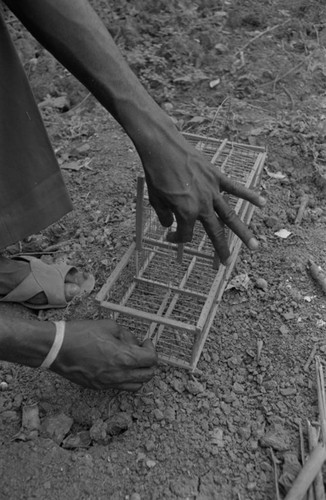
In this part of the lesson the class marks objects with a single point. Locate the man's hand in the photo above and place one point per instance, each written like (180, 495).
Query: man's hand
(182, 182)
(102, 355)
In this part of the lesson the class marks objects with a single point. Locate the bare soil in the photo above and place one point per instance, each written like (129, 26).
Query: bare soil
(206, 435)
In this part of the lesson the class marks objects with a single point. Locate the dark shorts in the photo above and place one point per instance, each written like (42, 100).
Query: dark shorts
(32, 190)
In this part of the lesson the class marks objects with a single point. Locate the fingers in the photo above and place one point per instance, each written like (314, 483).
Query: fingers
(145, 355)
(230, 218)
(164, 214)
(235, 188)
(215, 231)
(184, 232)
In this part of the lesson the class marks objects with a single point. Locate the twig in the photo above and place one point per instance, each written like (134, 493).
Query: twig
(80, 103)
(302, 208)
(307, 473)
(279, 78)
(318, 482)
(277, 490)
(303, 459)
(321, 398)
(288, 93)
(268, 30)
(311, 357)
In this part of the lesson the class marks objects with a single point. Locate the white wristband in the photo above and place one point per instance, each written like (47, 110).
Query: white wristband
(56, 346)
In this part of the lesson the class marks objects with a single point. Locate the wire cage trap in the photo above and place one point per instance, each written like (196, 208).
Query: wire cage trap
(170, 293)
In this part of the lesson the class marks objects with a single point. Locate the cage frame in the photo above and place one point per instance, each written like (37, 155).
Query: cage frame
(160, 319)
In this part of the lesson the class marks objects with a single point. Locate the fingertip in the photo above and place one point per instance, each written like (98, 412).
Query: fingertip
(262, 201)
(253, 244)
(227, 262)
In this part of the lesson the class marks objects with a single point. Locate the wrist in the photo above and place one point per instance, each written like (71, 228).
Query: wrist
(25, 342)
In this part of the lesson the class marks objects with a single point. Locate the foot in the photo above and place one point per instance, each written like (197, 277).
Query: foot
(13, 272)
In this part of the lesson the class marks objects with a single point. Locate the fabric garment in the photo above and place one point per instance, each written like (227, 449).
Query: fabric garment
(32, 191)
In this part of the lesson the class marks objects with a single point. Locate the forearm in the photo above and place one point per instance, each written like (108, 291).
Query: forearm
(25, 342)
(74, 34)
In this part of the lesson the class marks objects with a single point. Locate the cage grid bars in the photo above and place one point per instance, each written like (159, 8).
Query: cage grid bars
(238, 160)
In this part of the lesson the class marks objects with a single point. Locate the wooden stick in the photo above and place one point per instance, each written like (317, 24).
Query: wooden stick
(318, 482)
(307, 473)
(302, 208)
(318, 274)
(180, 253)
(321, 398)
(277, 490)
(303, 459)
(139, 212)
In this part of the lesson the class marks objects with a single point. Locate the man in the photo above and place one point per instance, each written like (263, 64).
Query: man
(180, 182)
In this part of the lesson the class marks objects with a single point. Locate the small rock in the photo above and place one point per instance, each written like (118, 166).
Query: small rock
(149, 445)
(158, 414)
(4, 386)
(119, 423)
(262, 284)
(273, 223)
(150, 463)
(135, 496)
(57, 427)
(284, 330)
(251, 486)
(169, 414)
(277, 438)
(194, 387)
(238, 388)
(288, 391)
(245, 432)
(98, 431)
(178, 385)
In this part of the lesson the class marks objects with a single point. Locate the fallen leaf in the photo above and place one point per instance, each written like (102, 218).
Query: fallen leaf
(238, 282)
(77, 165)
(214, 83)
(283, 233)
(276, 175)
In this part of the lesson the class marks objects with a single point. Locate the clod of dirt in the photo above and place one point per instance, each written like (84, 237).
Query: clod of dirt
(57, 427)
(118, 424)
(277, 438)
(194, 387)
(80, 440)
(98, 431)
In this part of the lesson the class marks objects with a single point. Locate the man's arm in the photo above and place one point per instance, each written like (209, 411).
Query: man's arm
(95, 354)
(180, 180)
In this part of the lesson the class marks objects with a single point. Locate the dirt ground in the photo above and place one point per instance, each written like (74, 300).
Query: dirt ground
(255, 72)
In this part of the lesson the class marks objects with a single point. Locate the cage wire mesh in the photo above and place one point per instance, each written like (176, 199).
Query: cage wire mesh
(170, 293)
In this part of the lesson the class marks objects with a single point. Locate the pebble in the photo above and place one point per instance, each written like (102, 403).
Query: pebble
(169, 414)
(158, 414)
(118, 423)
(194, 387)
(238, 388)
(262, 284)
(284, 330)
(149, 445)
(135, 496)
(150, 463)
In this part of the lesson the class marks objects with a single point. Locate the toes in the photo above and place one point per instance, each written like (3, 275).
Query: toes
(77, 277)
(71, 290)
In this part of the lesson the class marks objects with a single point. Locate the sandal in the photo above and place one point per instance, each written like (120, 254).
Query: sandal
(49, 279)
